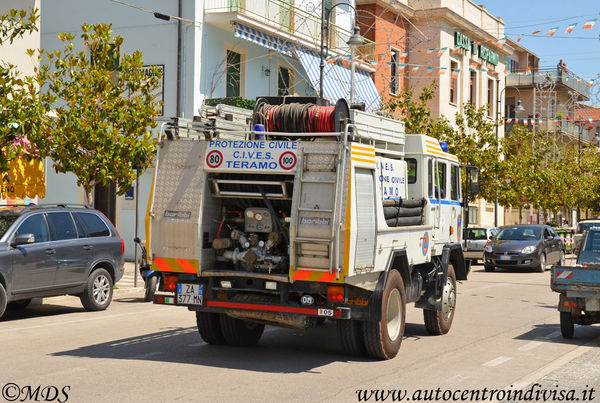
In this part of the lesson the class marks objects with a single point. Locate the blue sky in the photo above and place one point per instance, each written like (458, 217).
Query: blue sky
(580, 49)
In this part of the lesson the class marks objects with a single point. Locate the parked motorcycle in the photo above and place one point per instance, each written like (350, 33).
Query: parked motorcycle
(151, 277)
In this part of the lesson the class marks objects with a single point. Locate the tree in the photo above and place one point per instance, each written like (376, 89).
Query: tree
(19, 106)
(104, 110)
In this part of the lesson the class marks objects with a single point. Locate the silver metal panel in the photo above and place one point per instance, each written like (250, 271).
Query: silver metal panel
(365, 218)
(177, 189)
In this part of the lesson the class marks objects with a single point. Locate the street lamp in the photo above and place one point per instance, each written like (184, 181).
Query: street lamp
(355, 40)
(518, 108)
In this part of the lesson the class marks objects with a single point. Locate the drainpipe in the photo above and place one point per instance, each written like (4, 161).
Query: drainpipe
(179, 54)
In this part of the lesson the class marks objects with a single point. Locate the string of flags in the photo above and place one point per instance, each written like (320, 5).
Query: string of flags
(540, 121)
(589, 24)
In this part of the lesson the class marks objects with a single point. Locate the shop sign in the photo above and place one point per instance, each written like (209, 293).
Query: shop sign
(463, 41)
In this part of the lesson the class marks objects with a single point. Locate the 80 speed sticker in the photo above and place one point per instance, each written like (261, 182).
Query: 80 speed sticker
(214, 159)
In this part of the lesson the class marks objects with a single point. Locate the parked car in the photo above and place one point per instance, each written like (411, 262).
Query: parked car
(583, 226)
(56, 250)
(525, 246)
(475, 240)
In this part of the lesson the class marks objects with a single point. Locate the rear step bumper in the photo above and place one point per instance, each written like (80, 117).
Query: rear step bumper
(224, 306)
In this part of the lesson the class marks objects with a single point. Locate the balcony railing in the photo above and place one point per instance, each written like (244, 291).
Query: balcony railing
(565, 127)
(566, 78)
(284, 16)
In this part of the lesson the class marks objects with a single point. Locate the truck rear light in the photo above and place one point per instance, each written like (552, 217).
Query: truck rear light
(170, 282)
(335, 293)
(571, 304)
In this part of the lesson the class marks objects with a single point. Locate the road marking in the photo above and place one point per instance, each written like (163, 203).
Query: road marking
(530, 346)
(497, 361)
(553, 335)
(146, 355)
(62, 323)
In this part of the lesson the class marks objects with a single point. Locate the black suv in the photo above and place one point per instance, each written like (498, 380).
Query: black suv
(55, 250)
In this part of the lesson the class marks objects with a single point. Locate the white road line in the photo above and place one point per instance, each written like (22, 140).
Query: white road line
(497, 361)
(530, 346)
(146, 355)
(62, 323)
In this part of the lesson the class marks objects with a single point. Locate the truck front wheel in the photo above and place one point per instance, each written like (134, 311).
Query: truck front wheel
(383, 338)
(567, 328)
(439, 322)
(209, 327)
(239, 332)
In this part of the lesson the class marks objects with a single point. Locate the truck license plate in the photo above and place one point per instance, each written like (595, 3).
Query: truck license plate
(189, 294)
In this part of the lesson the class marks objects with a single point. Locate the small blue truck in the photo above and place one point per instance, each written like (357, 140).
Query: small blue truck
(579, 286)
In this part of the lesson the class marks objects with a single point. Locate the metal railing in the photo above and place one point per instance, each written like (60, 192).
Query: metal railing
(566, 78)
(289, 18)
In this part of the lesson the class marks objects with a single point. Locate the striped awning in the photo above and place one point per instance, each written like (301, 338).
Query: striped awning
(336, 80)
(260, 38)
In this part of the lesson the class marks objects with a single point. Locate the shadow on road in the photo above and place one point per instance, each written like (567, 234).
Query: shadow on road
(37, 309)
(550, 333)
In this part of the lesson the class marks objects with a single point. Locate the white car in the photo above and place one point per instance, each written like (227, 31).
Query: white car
(475, 240)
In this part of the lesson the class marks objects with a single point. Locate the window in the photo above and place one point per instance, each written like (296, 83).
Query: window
(440, 181)
(455, 182)
(490, 98)
(284, 81)
(394, 79)
(473, 88)
(90, 225)
(453, 82)
(473, 215)
(430, 177)
(476, 234)
(411, 169)
(512, 65)
(36, 225)
(234, 74)
(61, 226)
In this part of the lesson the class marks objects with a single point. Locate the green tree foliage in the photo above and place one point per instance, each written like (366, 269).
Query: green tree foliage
(19, 107)
(104, 110)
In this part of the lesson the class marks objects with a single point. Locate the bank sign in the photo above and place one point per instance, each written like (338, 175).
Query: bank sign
(463, 41)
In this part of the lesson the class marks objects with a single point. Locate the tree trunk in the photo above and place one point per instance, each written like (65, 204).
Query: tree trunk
(520, 214)
(89, 195)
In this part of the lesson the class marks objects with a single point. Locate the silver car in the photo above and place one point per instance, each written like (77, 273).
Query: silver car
(50, 251)
(475, 240)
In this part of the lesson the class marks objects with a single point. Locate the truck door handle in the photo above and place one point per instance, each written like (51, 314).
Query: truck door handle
(50, 251)
(87, 247)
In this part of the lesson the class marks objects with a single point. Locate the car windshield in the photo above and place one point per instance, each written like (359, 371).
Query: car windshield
(520, 233)
(585, 226)
(5, 222)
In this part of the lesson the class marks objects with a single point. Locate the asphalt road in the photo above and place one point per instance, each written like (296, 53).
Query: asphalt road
(505, 336)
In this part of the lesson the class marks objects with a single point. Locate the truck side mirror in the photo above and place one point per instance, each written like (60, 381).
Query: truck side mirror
(473, 179)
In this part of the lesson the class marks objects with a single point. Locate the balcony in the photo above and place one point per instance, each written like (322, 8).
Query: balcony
(568, 130)
(566, 79)
(285, 20)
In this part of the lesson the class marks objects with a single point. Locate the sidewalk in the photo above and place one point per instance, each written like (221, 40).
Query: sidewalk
(127, 282)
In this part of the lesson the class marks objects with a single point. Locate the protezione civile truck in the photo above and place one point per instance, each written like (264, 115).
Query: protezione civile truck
(285, 228)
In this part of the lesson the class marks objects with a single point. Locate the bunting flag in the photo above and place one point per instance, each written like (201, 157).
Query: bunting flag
(505, 71)
(478, 43)
(415, 67)
(501, 42)
(441, 72)
(483, 69)
(509, 120)
(455, 73)
(552, 31)
(429, 51)
(540, 122)
(456, 51)
(442, 50)
(590, 24)
(524, 122)
(528, 71)
(535, 32)
(402, 66)
(404, 54)
(490, 41)
(475, 64)
(590, 119)
(472, 69)
(570, 28)
(590, 83)
(555, 122)
(501, 123)
(578, 80)
(429, 70)
(520, 37)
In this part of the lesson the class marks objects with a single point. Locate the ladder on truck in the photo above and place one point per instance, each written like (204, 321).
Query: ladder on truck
(319, 180)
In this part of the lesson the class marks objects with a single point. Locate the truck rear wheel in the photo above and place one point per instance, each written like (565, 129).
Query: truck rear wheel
(351, 337)
(239, 332)
(209, 327)
(383, 338)
(439, 322)
(567, 328)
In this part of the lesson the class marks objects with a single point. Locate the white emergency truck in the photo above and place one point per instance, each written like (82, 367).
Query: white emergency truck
(281, 227)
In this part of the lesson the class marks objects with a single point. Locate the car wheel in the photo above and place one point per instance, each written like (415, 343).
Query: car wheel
(439, 322)
(567, 328)
(542, 266)
(383, 338)
(3, 299)
(151, 285)
(489, 268)
(98, 291)
(20, 304)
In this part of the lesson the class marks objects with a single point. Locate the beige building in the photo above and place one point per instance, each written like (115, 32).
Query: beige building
(470, 68)
(15, 53)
